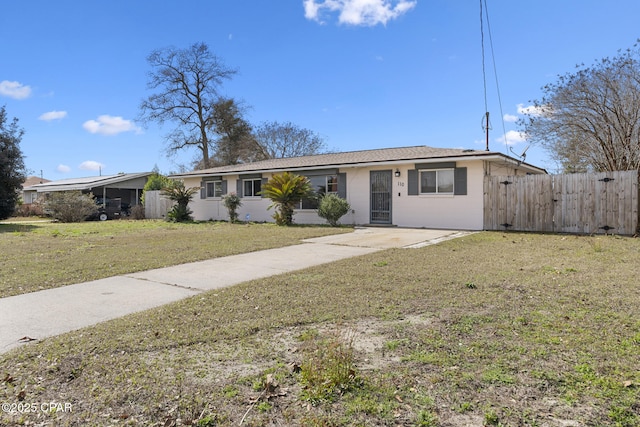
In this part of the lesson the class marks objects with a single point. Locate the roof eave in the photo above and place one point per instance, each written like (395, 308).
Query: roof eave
(477, 156)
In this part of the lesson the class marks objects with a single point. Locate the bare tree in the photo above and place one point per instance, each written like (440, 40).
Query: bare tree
(186, 84)
(279, 140)
(590, 119)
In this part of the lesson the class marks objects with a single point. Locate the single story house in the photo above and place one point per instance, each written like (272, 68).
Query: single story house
(31, 196)
(421, 187)
(126, 188)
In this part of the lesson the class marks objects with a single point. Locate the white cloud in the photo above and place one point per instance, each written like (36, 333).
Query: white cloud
(510, 118)
(512, 137)
(63, 168)
(53, 115)
(531, 110)
(15, 90)
(358, 12)
(91, 165)
(110, 125)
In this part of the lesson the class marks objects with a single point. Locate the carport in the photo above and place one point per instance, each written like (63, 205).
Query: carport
(124, 187)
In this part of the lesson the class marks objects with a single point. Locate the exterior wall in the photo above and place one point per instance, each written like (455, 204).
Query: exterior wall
(440, 211)
(463, 212)
(214, 209)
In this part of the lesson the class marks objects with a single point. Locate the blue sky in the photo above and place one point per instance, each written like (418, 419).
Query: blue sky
(362, 73)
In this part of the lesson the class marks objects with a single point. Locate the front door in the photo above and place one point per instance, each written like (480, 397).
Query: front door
(381, 197)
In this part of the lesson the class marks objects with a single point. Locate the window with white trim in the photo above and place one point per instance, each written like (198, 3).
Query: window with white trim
(214, 188)
(436, 181)
(251, 187)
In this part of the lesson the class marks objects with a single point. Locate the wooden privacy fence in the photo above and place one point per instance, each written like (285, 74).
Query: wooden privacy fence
(592, 203)
(156, 206)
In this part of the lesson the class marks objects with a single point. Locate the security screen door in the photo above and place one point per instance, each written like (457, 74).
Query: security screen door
(381, 197)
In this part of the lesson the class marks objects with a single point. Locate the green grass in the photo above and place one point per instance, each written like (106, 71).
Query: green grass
(38, 256)
(549, 335)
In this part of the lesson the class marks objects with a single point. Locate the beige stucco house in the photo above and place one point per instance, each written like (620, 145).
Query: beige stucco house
(407, 187)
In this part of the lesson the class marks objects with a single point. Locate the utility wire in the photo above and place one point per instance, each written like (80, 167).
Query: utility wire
(483, 6)
(484, 73)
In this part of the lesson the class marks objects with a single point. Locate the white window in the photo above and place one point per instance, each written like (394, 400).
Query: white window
(437, 181)
(252, 187)
(214, 188)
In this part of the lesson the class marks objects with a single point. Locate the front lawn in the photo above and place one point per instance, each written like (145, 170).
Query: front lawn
(492, 329)
(39, 255)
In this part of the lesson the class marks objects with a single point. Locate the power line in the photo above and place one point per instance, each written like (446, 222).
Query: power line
(483, 8)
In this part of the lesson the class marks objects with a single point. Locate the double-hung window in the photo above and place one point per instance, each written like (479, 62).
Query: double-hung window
(436, 181)
(251, 187)
(214, 188)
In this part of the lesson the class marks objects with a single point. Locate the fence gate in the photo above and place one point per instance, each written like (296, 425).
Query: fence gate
(604, 202)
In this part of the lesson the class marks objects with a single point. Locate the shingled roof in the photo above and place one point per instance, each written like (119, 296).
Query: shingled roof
(349, 158)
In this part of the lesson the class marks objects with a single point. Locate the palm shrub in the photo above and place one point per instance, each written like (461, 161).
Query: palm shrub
(232, 202)
(182, 195)
(286, 190)
(332, 207)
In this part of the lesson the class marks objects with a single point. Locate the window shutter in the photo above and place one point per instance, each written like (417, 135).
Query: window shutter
(264, 181)
(239, 187)
(342, 185)
(460, 182)
(412, 178)
(224, 187)
(203, 190)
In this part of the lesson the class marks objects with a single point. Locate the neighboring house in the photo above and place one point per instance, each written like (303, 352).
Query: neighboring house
(125, 187)
(408, 187)
(30, 196)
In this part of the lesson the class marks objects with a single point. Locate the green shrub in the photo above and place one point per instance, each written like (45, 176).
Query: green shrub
(155, 182)
(232, 202)
(70, 206)
(333, 207)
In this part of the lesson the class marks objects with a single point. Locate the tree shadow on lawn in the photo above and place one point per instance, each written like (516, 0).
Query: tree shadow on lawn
(16, 228)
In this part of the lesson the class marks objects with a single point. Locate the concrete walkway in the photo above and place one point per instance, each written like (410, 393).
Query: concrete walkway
(38, 315)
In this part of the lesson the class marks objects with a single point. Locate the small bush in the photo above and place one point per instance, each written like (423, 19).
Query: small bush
(30, 209)
(333, 207)
(232, 202)
(70, 206)
(137, 212)
(328, 369)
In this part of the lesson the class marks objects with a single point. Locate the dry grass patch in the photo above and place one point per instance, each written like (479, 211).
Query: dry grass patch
(548, 335)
